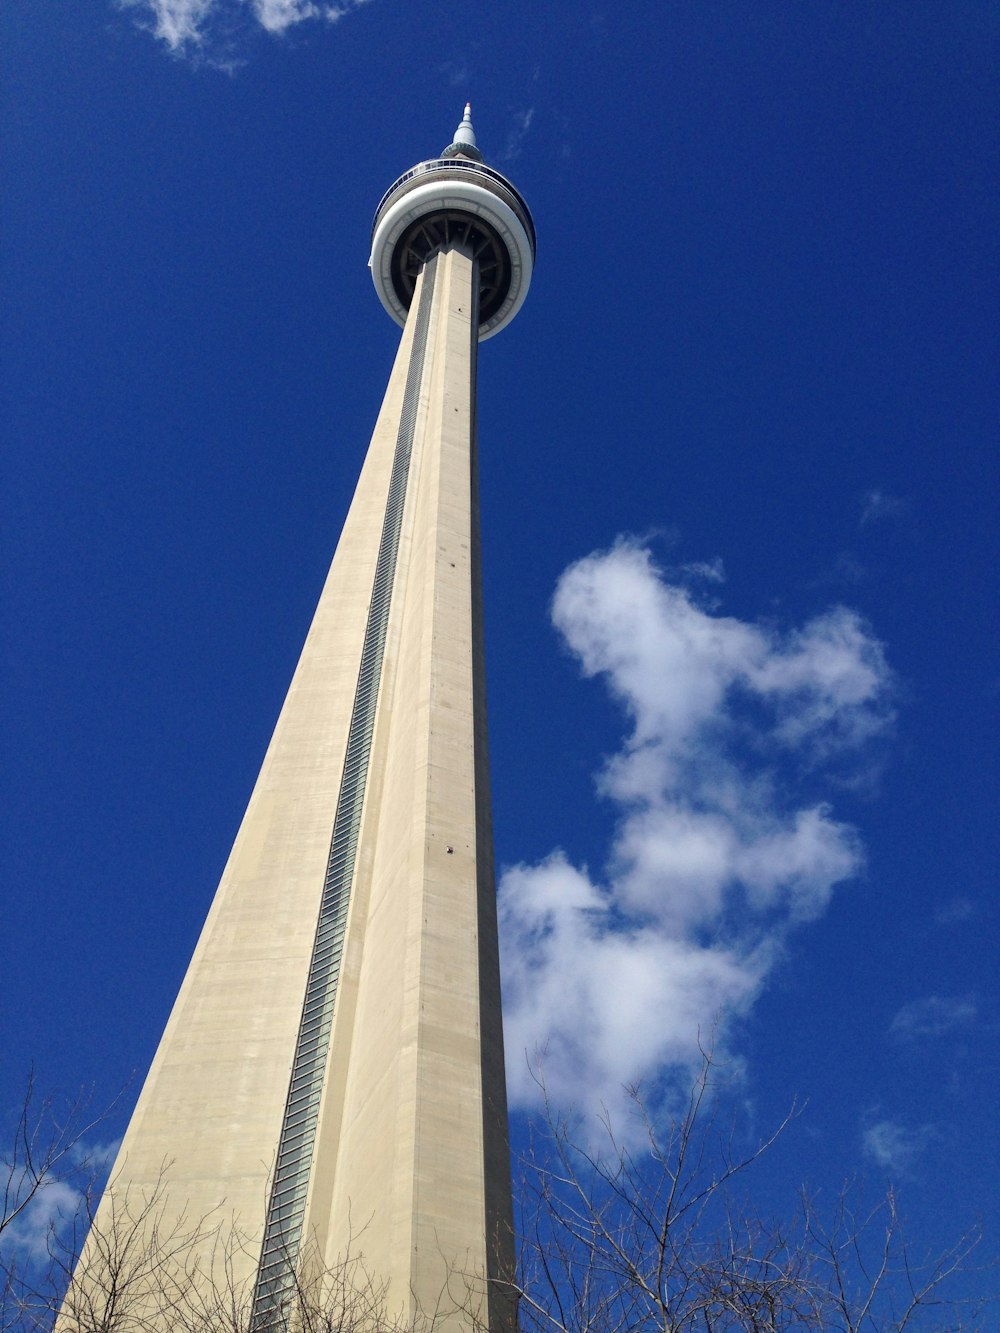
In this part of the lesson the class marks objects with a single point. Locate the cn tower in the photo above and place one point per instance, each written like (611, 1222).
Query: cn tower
(331, 1077)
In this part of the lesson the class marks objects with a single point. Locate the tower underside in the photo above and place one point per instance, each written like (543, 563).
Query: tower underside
(332, 1071)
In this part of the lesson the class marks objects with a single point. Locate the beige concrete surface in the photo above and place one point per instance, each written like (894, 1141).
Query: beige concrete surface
(411, 1165)
(413, 1159)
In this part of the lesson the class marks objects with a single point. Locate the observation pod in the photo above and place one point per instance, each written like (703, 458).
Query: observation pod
(454, 197)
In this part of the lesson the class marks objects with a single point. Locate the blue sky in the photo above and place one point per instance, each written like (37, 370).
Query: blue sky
(739, 514)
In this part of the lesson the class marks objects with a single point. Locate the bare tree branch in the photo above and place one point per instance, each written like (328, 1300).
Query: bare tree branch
(614, 1238)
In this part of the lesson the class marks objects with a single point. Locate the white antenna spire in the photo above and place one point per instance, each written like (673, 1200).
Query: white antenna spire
(465, 134)
(464, 142)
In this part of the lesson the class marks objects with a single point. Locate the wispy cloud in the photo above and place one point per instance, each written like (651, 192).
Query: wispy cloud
(932, 1016)
(191, 27)
(704, 571)
(877, 505)
(614, 977)
(516, 135)
(894, 1146)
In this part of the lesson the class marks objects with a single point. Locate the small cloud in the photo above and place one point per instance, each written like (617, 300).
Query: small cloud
(276, 15)
(203, 30)
(40, 1209)
(180, 24)
(877, 505)
(956, 910)
(707, 571)
(56, 1204)
(522, 124)
(893, 1146)
(932, 1016)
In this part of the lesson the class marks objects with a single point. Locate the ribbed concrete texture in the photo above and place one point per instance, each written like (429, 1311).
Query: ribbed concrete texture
(409, 1167)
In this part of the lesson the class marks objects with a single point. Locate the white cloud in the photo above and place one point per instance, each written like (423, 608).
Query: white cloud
(178, 23)
(614, 978)
(58, 1198)
(932, 1016)
(277, 15)
(186, 26)
(893, 1146)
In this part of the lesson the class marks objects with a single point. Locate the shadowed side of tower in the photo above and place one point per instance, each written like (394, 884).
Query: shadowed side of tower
(331, 1078)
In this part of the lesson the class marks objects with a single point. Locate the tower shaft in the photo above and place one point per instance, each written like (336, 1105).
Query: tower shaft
(413, 1120)
(331, 1078)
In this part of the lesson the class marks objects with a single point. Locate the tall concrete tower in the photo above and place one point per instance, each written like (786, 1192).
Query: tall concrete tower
(331, 1077)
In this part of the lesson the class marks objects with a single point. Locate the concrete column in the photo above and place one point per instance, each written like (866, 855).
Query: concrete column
(411, 1167)
(414, 1115)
